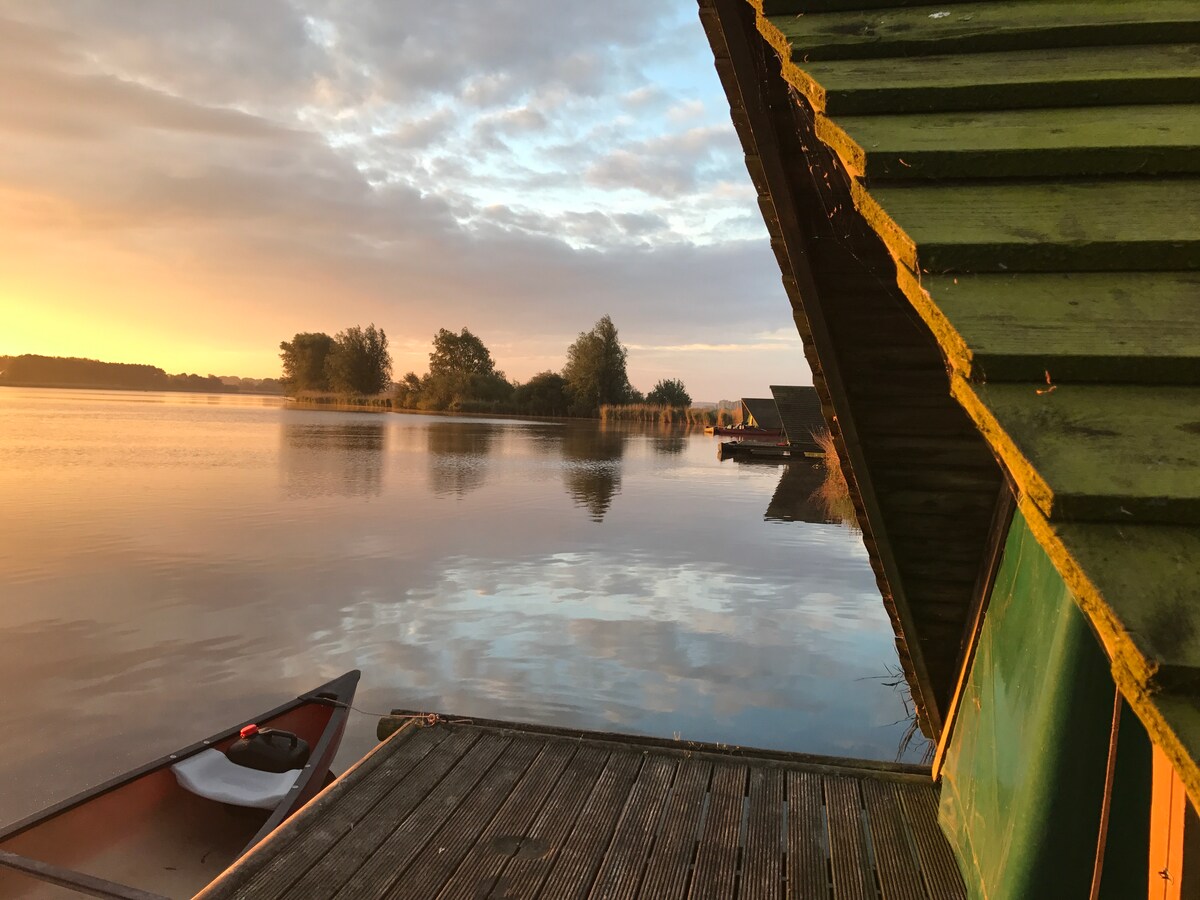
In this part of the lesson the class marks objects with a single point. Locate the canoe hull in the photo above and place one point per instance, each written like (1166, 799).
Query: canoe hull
(144, 831)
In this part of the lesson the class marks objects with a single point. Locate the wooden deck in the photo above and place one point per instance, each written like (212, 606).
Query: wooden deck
(474, 810)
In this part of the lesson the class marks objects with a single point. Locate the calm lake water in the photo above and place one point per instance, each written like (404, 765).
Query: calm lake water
(170, 563)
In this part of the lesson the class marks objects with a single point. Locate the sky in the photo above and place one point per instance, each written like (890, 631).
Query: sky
(187, 185)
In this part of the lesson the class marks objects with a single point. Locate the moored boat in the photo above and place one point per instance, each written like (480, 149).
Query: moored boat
(743, 431)
(169, 827)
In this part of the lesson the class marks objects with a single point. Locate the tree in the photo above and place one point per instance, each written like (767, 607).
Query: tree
(459, 354)
(359, 362)
(595, 369)
(545, 394)
(669, 392)
(304, 360)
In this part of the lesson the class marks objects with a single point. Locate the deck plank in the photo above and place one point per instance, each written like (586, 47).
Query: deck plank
(994, 26)
(668, 871)
(807, 850)
(899, 876)
(938, 866)
(364, 865)
(575, 867)
(331, 870)
(621, 871)
(852, 879)
(470, 810)
(717, 856)
(486, 857)
(580, 792)
(441, 856)
(272, 876)
(762, 860)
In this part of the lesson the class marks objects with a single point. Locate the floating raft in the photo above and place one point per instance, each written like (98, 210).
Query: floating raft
(474, 809)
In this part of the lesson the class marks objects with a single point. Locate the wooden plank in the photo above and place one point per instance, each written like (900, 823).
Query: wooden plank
(938, 866)
(594, 777)
(357, 864)
(668, 870)
(1137, 585)
(762, 859)
(852, 878)
(1119, 453)
(437, 862)
(348, 804)
(982, 27)
(1082, 326)
(899, 876)
(506, 835)
(807, 849)
(1018, 143)
(717, 856)
(799, 7)
(1020, 79)
(621, 870)
(1142, 225)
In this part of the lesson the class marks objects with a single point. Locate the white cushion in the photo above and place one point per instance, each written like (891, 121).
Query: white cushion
(212, 774)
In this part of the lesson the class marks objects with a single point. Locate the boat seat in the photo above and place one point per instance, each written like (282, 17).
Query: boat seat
(212, 774)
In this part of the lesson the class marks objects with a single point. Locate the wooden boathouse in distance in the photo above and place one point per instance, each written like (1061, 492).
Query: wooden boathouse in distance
(987, 217)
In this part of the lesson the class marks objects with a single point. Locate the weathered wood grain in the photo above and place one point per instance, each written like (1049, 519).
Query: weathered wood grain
(717, 856)
(762, 858)
(994, 26)
(899, 875)
(1138, 225)
(1018, 143)
(1136, 327)
(569, 874)
(440, 857)
(368, 865)
(621, 870)
(485, 858)
(668, 869)
(852, 876)
(531, 861)
(1119, 453)
(938, 867)
(1019, 79)
(311, 840)
(807, 847)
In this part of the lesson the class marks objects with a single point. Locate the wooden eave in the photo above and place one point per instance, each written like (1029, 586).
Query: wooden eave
(1032, 171)
(877, 369)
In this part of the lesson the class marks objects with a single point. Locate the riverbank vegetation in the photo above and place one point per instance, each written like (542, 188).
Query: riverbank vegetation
(30, 370)
(834, 493)
(701, 416)
(354, 363)
(463, 377)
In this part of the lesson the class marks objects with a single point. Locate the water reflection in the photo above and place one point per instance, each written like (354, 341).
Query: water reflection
(592, 466)
(669, 442)
(796, 498)
(332, 459)
(458, 456)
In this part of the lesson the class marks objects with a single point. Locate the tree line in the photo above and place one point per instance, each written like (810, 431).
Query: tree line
(59, 371)
(463, 377)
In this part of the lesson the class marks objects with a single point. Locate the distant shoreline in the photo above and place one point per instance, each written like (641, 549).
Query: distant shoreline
(134, 390)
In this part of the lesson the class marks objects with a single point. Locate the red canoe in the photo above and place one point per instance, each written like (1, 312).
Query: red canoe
(170, 827)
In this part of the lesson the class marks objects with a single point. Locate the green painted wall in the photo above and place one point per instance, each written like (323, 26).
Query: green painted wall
(1023, 780)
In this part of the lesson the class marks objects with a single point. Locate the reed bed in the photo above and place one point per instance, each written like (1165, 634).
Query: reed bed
(668, 415)
(343, 401)
(834, 492)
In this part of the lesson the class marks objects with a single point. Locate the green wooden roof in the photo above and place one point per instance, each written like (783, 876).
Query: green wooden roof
(762, 411)
(800, 411)
(1032, 170)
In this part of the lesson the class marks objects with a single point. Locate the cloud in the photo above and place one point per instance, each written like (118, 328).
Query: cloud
(401, 163)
